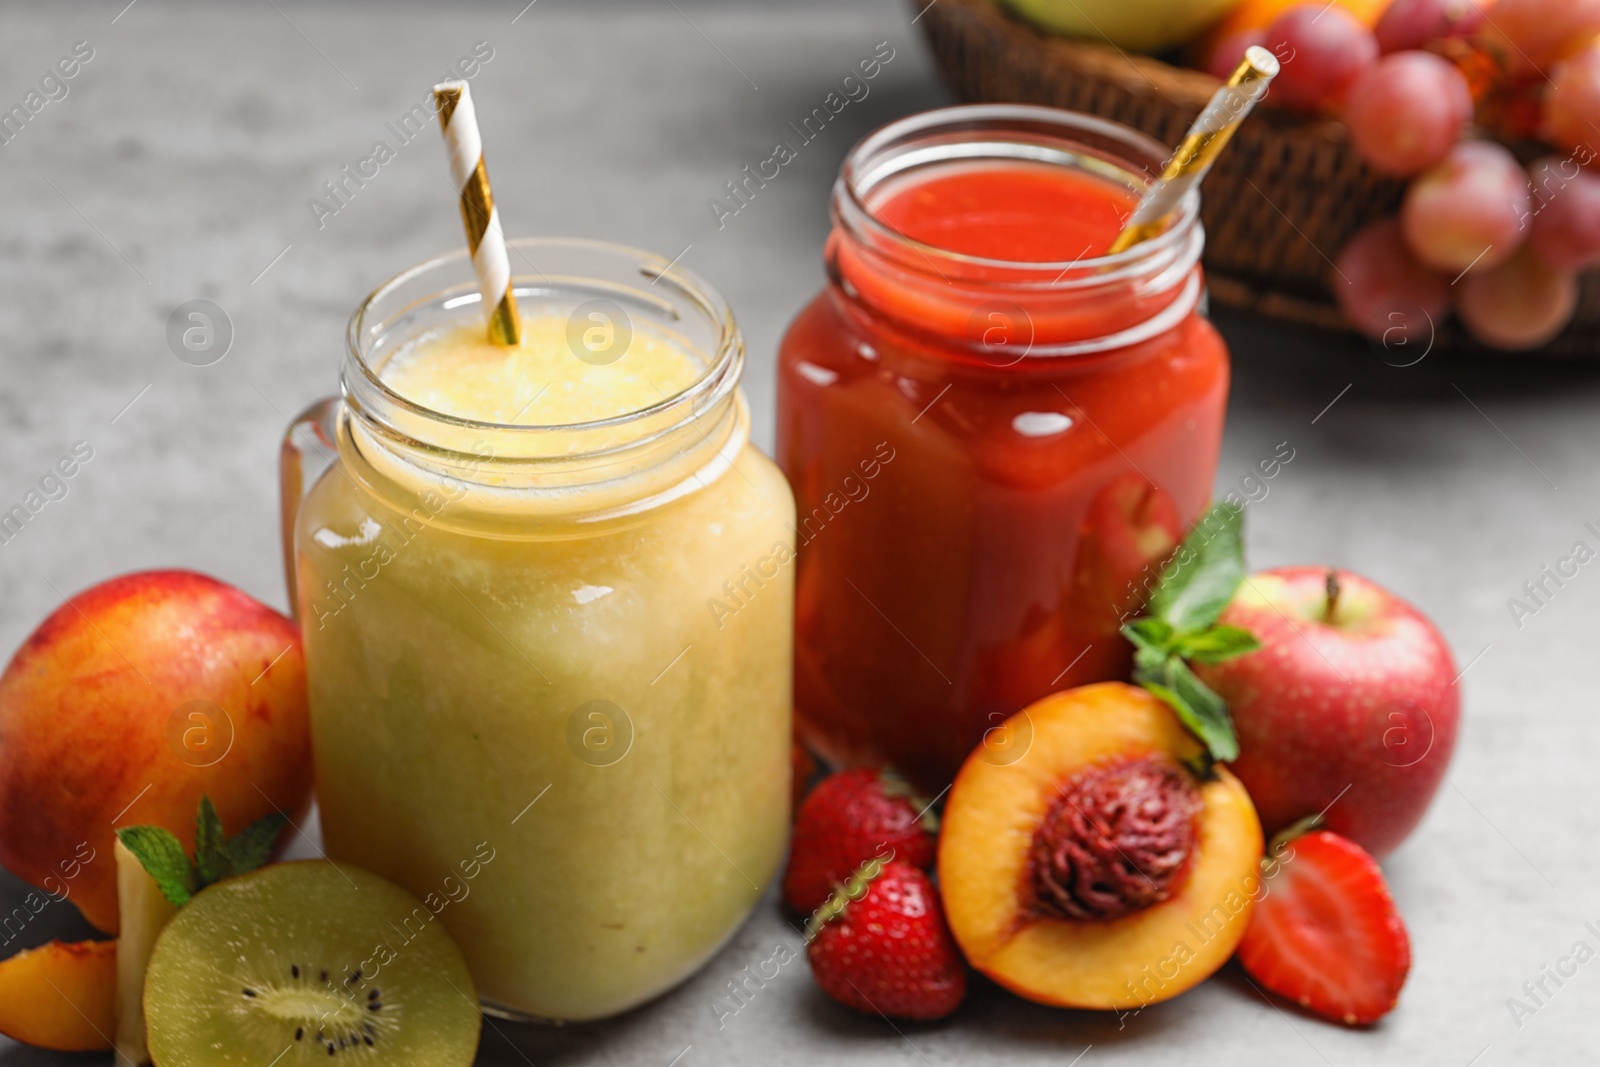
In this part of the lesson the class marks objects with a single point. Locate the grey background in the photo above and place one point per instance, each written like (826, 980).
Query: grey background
(178, 168)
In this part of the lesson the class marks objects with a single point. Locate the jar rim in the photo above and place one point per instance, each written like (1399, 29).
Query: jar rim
(938, 136)
(581, 471)
(371, 396)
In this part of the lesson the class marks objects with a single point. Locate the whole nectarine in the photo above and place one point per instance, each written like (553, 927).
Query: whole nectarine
(125, 706)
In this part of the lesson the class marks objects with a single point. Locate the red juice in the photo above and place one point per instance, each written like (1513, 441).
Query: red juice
(995, 434)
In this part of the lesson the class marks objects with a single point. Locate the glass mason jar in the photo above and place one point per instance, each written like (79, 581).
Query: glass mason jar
(532, 704)
(993, 438)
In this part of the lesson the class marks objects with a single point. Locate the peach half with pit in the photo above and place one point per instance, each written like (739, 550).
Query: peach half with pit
(1107, 865)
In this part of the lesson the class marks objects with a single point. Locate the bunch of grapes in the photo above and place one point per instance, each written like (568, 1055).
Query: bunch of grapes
(1434, 94)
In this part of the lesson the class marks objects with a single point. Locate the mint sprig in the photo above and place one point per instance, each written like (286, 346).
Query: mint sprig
(162, 856)
(216, 857)
(1194, 587)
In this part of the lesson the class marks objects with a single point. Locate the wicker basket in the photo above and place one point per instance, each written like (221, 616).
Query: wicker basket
(1282, 200)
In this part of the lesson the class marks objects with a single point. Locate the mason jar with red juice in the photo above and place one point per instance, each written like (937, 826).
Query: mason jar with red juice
(995, 429)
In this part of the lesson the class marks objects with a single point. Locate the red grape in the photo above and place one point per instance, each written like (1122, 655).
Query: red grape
(1405, 112)
(1468, 211)
(1322, 49)
(1566, 219)
(1385, 292)
(1533, 34)
(1520, 304)
(1572, 106)
(1229, 52)
(1415, 23)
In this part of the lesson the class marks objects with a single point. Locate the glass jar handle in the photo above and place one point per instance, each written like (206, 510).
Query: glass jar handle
(298, 470)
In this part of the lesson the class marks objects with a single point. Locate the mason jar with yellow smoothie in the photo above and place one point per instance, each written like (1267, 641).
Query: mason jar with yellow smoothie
(546, 593)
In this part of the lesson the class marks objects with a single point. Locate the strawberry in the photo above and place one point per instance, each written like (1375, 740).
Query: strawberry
(1327, 934)
(845, 821)
(880, 944)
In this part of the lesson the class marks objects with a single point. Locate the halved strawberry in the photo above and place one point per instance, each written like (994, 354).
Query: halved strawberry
(880, 944)
(1327, 934)
(845, 821)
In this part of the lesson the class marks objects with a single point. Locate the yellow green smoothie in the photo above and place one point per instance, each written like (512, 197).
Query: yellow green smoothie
(523, 708)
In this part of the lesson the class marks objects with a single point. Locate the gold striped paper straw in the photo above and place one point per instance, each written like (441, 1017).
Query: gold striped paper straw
(485, 240)
(1206, 138)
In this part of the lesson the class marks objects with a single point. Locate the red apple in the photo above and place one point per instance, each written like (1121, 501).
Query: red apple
(1349, 708)
(125, 706)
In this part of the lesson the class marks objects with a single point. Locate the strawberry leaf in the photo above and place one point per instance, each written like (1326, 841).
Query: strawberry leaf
(853, 888)
(162, 856)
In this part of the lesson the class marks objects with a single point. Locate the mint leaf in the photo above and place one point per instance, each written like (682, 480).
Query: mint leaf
(1152, 644)
(1215, 724)
(216, 857)
(1195, 586)
(209, 860)
(1200, 579)
(163, 858)
(1197, 707)
(1215, 645)
(1148, 633)
(1149, 661)
(253, 845)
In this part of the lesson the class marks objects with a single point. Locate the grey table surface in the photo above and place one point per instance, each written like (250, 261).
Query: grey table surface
(179, 166)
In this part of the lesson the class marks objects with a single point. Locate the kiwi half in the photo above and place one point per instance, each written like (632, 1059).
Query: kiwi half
(309, 963)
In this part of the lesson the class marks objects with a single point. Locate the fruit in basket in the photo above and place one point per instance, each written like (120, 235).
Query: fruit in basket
(845, 821)
(1137, 25)
(1530, 35)
(1520, 304)
(304, 961)
(1408, 24)
(1407, 111)
(1323, 50)
(1572, 105)
(1328, 935)
(1386, 292)
(1254, 16)
(881, 946)
(130, 702)
(1513, 239)
(61, 996)
(1259, 14)
(1224, 57)
(1565, 232)
(1410, 79)
(1349, 709)
(1468, 211)
(1109, 866)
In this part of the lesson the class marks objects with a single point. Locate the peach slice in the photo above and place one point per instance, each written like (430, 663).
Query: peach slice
(61, 996)
(1180, 915)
